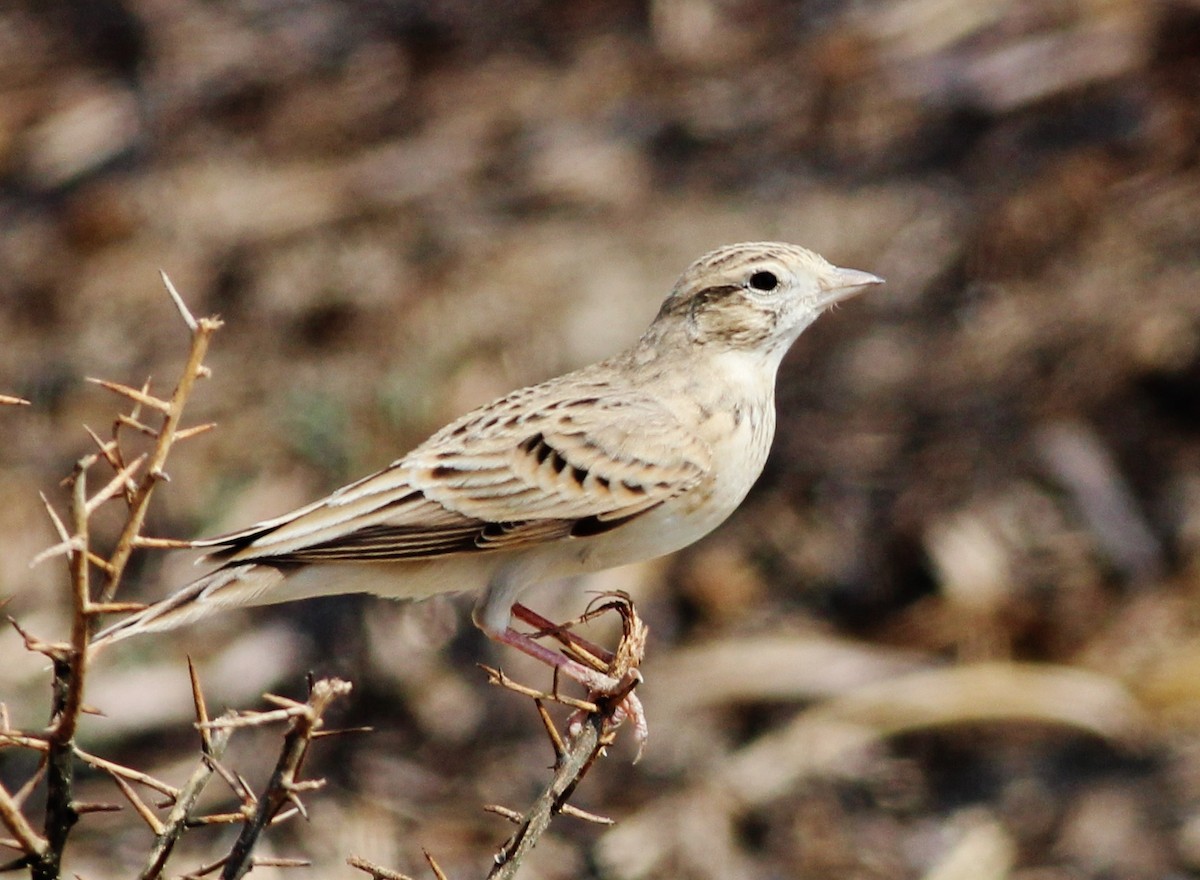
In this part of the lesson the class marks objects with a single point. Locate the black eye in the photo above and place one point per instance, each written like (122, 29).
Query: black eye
(764, 281)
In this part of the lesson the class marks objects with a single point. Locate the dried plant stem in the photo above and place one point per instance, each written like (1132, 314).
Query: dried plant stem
(10, 813)
(583, 748)
(43, 854)
(283, 786)
(176, 822)
(67, 701)
(202, 331)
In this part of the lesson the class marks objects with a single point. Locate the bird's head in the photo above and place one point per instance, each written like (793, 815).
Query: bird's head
(756, 296)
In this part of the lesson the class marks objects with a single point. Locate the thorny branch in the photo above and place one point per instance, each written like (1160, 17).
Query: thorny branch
(592, 728)
(284, 787)
(43, 853)
(212, 749)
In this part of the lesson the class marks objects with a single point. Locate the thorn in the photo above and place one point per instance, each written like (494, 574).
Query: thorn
(504, 813)
(556, 740)
(189, 433)
(140, 397)
(98, 608)
(188, 318)
(250, 797)
(57, 651)
(23, 793)
(377, 872)
(434, 866)
(283, 702)
(277, 862)
(341, 731)
(281, 817)
(200, 706)
(100, 563)
(139, 805)
(569, 810)
(65, 548)
(162, 543)
(295, 801)
(115, 485)
(128, 773)
(498, 678)
(107, 448)
(131, 422)
(13, 401)
(59, 527)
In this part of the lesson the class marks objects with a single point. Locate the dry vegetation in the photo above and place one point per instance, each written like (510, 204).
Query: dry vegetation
(952, 634)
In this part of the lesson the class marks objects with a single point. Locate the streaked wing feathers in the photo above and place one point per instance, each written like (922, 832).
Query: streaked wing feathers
(515, 473)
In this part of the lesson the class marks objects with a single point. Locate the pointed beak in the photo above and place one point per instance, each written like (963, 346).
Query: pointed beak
(841, 284)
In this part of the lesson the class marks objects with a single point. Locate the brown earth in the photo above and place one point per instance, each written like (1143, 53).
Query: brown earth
(950, 635)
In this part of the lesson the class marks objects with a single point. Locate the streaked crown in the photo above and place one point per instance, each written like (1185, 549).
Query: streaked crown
(754, 295)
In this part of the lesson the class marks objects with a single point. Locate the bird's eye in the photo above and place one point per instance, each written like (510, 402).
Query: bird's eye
(764, 281)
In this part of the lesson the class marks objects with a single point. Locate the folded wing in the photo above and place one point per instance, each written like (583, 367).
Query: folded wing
(551, 462)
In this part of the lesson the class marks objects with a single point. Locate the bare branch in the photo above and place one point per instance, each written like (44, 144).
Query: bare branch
(582, 751)
(513, 816)
(161, 543)
(115, 486)
(129, 773)
(139, 805)
(177, 820)
(30, 842)
(202, 330)
(377, 872)
(283, 785)
(576, 813)
(116, 607)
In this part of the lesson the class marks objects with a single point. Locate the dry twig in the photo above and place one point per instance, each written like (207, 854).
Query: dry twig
(592, 729)
(283, 786)
(43, 853)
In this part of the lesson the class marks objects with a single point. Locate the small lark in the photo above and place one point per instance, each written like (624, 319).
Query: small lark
(628, 459)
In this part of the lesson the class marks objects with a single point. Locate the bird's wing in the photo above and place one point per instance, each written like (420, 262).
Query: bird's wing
(545, 463)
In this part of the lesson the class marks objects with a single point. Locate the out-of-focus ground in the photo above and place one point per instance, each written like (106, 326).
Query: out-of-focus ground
(955, 630)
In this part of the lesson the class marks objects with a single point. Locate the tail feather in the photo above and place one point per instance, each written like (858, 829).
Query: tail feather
(231, 587)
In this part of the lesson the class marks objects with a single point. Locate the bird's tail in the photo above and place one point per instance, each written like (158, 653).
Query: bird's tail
(234, 586)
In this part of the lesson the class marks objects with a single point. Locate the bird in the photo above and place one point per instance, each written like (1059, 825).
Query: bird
(625, 460)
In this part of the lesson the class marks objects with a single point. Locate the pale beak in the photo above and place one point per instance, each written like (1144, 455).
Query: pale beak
(841, 284)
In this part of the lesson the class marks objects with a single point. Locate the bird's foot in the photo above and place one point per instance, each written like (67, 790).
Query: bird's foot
(610, 677)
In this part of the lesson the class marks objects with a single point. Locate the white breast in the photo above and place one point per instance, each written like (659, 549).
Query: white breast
(734, 412)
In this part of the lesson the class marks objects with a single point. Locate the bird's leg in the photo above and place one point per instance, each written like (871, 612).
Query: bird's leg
(592, 679)
(600, 658)
(597, 683)
(493, 614)
(629, 706)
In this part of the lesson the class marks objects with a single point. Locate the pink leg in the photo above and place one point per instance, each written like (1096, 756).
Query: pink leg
(562, 633)
(594, 681)
(589, 678)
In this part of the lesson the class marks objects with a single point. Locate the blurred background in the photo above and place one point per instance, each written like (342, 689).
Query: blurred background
(954, 631)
